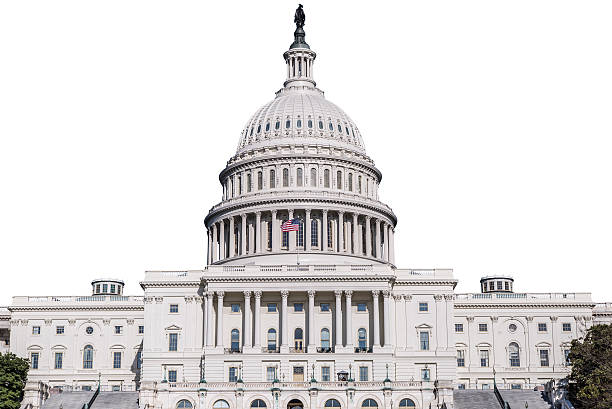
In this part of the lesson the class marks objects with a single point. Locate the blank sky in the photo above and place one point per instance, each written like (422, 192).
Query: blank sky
(490, 121)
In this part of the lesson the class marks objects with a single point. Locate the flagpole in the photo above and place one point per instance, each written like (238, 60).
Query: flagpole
(298, 242)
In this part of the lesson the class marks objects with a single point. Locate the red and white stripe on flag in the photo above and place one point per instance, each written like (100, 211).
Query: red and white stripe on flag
(291, 225)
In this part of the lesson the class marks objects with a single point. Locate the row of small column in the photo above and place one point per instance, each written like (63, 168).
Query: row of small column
(248, 341)
(379, 245)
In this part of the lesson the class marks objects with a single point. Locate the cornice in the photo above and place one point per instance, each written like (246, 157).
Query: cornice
(170, 283)
(343, 278)
(18, 308)
(474, 306)
(427, 281)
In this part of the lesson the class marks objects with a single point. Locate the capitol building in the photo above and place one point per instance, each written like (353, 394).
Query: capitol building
(301, 304)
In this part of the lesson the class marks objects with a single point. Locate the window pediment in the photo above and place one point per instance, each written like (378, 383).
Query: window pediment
(173, 328)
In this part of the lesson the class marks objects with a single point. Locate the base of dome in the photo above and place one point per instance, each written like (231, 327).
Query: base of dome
(305, 258)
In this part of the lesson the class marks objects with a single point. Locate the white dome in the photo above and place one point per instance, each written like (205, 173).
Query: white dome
(300, 115)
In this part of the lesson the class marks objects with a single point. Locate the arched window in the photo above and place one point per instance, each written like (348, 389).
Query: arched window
(359, 184)
(299, 123)
(331, 126)
(259, 128)
(259, 180)
(267, 126)
(288, 124)
(298, 339)
(235, 346)
(300, 177)
(277, 125)
(299, 237)
(258, 403)
(285, 177)
(339, 179)
(407, 403)
(350, 182)
(326, 178)
(320, 124)
(362, 338)
(184, 403)
(272, 179)
(339, 128)
(330, 233)
(251, 133)
(310, 123)
(325, 338)
(248, 189)
(513, 352)
(271, 339)
(369, 403)
(285, 238)
(88, 357)
(239, 185)
(221, 404)
(332, 403)
(313, 177)
(314, 233)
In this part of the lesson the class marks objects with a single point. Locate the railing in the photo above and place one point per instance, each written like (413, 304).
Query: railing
(500, 399)
(297, 350)
(78, 299)
(363, 350)
(525, 296)
(270, 350)
(325, 350)
(323, 385)
(321, 268)
(93, 398)
(232, 350)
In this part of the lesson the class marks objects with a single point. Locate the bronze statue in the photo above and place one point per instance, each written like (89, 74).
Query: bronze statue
(300, 17)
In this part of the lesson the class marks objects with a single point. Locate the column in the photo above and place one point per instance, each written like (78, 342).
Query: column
(248, 343)
(292, 234)
(285, 323)
(311, 328)
(324, 231)
(386, 233)
(307, 231)
(258, 248)
(209, 318)
(355, 237)
(210, 249)
(232, 239)
(243, 234)
(338, 312)
(377, 236)
(251, 240)
(275, 230)
(387, 318)
(347, 241)
(348, 294)
(220, 295)
(391, 245)
(222, 239)
(368, 233)
(340, 232)
(257, 314)
(215, 244)
(376, 316)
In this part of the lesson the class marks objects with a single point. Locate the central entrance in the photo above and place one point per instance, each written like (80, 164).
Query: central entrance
(295, 404)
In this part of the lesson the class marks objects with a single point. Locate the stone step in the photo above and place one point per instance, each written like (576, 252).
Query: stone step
(517, 398)
(116, 400)
(475, 399)
(67, 400)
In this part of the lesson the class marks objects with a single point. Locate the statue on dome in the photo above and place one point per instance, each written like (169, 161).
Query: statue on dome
(300, 17)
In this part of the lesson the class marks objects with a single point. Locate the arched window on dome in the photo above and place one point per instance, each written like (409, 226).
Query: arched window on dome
(288, 124)
(300, 177)
(320, 124)
(259, 180)
(339, 180)
(350, 182)
(314, 233)
(88, 357)
(331, 126)
(248, 183)
(339, 128)
(272, 179)
(313, 177)
(407, 403)
(298, 123)
(251, 133)
(239, 185)
(267, 126)
(277, 125)
(285, 177)
(259, 128)
(221, 404)
(332, 403)
(310, 123)
(299, 237)
(326, 178)
(359, 184)
(258, 403)
(184, 404)
(330, 233)
(347, 130)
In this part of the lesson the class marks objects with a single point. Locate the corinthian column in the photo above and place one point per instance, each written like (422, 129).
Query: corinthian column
(222, 239)
(387, 320)
(248, 343)
(209, 319)
(220, 295)
(257, 314)
(257, 233)
(355, 235)
(232, 239)
(215, 256)
(307, 231)
(376, 316)
(368, 233)
(285, 322)
(340, 232)
(377, 236)
(349, 320)
(243, 234)
(338, 312)
(311, 324)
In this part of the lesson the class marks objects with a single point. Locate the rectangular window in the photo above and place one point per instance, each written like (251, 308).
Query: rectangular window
(499, 285)
(484, 358)
(173, 342)
(269, 236)
(97, 288)
(233, 374)
(460, 357)
(138, 359)
(566, 353)
(59, 360)
(515, 385)
(86, 388)
(424, 340)
(425, 374)
(542, 327)
(486, 386)
(174, 308)
(458, 327)
(461, 386)
(271, 307)
(116, 360)
(363, 373)
(172, 375)
(34, 360)
(235, 307)
(330, 233)
(361, 307)
(482, 327)
(59, 330)
(36, 330)
(298, 307)
(324, 307)
(118, 329)
(507, 286)
(112, 288)
(104, 288)
(325, 377)
(544, 357)
(423, 307)
(567, 327)
(270, 374)
(141, 329)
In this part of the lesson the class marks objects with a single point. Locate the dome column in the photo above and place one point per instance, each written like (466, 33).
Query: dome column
(257, 233)
(210, 249)
(215, 243)
(307, 232)
(251, 240)
(292, 234)
(354, 231)
(368, 233)
(324, 232)
(274, 237)
(340, 232)
(377, 236)
(386, 233)
(392, 245)
(232, 238)
(243, 234)
(222, 239)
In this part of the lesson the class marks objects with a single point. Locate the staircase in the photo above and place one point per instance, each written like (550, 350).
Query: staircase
(476, 399)
(116, 400)
(67, 400)
(516, 398)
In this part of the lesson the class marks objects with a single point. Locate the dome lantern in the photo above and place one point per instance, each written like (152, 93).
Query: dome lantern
(299, 57)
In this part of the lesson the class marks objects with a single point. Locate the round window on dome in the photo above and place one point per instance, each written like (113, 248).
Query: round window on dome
(512, 327)
(89, 330)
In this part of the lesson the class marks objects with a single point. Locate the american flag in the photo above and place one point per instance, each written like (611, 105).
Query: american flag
(291, 225)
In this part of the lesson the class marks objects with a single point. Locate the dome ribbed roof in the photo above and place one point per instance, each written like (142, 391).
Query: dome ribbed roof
(300, 115)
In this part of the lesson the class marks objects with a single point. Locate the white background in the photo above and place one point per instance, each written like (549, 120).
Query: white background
(490, 121)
